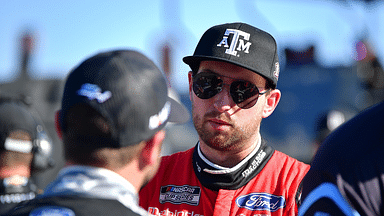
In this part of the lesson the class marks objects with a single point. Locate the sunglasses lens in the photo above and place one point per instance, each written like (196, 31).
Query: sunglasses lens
(244, 94)
(206, 85)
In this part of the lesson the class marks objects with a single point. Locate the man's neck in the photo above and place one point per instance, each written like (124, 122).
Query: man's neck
(229, 158)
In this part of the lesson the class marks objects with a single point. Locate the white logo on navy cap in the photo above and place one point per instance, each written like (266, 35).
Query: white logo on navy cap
(92, 91)
(156, 120)
(237, 43)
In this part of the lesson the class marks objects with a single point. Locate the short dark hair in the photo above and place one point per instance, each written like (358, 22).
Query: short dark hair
(269, 84)
(86, 137)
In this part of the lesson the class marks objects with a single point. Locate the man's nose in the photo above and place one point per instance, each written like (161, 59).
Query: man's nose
(223, 100)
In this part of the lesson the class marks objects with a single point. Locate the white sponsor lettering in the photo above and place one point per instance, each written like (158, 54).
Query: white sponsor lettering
(255, 163)
(183, 189)
(261, 201)
(167, 212)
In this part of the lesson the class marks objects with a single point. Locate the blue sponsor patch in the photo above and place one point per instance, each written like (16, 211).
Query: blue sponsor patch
(52, 210)
(261, 201)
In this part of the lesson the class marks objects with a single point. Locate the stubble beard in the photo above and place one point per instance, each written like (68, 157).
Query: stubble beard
(220, 140)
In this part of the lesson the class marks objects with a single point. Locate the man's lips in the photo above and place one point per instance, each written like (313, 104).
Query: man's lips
(217, 123)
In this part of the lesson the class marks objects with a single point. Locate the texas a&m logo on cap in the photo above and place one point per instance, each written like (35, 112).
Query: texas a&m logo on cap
(239, 42)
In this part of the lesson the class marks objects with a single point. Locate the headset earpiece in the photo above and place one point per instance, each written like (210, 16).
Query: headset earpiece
(42, 151)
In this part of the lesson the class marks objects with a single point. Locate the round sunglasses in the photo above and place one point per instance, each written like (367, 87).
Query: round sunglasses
(243, 93)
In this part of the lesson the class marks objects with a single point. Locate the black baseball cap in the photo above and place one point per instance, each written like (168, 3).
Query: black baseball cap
(16, 117)
(240, 44)
(127, 89)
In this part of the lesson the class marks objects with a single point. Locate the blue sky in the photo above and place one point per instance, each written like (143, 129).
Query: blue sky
(69, 31)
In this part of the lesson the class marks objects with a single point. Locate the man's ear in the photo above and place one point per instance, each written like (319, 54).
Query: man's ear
(57, 124)
(152, 149)
(271, 101)
(190, 81)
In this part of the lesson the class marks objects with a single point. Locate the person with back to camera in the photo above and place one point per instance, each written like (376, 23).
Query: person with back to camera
(347, 172)
(25, 150)
(231, 171)
(114, 110)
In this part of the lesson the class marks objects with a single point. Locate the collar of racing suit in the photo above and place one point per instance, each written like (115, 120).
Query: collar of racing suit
(94, 182)
(215, 177)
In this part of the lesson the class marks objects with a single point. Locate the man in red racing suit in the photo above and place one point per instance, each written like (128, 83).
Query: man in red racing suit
(231, 171)
(186, 185)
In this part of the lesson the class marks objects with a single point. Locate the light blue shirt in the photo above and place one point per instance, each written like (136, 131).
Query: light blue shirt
(94, 182)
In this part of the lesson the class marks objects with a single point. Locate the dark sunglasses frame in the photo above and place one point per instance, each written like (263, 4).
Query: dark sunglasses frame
(244, 93)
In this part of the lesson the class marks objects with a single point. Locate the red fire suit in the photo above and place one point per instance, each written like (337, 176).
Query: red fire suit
(185, 185)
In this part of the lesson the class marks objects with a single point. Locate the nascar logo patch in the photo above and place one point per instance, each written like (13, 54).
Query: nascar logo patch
(261, 201)
(180, 194)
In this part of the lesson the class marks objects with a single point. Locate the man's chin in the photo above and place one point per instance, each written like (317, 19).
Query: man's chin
(220, 143)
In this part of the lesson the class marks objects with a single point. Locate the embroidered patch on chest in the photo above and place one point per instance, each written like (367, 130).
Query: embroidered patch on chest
(261, 201)
(180, 194)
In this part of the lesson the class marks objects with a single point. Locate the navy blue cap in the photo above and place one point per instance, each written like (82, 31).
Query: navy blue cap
(126, 88)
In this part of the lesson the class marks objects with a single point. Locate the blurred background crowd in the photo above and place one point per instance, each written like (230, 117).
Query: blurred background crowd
(330, 52)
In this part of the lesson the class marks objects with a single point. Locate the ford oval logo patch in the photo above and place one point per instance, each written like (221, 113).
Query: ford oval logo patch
(261, 201)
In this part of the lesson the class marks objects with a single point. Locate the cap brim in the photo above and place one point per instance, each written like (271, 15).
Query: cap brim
(195, 60)
(179, 113)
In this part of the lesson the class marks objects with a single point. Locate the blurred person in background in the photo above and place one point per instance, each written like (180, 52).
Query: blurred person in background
(25, 149)
(325, 123)
(347, 173)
